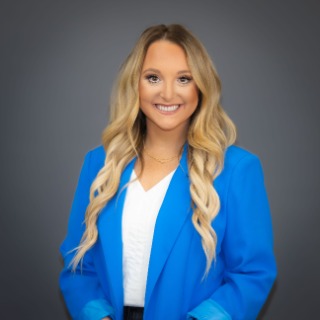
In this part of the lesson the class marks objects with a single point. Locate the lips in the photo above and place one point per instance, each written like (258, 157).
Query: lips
(170, 108)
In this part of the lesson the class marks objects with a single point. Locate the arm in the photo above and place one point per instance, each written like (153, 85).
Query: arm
(81, 289)
(247, 247)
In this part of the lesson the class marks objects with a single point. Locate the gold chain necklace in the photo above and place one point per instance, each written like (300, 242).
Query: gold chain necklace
(160, 160)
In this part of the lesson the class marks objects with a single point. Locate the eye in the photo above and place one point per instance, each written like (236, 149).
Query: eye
(153, 78)
(185, 79)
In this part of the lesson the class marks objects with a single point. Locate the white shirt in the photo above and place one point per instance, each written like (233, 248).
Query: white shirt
(139, 216)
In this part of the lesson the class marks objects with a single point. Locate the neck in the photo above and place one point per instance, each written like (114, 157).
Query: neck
(167, 143)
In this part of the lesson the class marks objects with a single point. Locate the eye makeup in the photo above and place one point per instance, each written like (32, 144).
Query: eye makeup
(154, 79)
(185, 79)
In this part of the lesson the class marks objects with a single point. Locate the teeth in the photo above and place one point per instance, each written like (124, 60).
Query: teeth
(167, 108)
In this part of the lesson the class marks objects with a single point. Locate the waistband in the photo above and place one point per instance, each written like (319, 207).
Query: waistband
(133, 313)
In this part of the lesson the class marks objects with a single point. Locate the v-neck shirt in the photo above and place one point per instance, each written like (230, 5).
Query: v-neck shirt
(139, 216)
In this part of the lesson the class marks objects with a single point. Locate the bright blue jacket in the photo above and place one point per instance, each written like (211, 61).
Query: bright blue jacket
(238, 282)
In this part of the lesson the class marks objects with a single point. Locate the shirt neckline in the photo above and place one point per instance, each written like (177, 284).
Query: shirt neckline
(157, 185)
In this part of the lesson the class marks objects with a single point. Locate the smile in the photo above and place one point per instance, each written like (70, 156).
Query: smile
(167, 108)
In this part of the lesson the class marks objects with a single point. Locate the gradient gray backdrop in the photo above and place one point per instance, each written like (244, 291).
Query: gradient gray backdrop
(58, 60)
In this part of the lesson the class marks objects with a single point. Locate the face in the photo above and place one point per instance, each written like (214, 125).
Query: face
(168, 94)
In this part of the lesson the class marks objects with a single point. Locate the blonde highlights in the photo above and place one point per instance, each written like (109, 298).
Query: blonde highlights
(210, 132)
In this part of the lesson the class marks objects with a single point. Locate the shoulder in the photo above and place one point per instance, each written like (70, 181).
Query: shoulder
(95, 159)
(242, 170)
(236, 156)
(239, 161)
(98, 153)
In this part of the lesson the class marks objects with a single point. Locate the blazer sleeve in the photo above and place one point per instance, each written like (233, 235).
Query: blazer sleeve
(247, 248)
(81, 289)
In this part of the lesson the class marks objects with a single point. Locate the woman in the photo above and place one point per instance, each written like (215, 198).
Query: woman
(177, 223)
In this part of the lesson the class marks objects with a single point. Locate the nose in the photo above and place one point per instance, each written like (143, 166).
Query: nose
(167, 91)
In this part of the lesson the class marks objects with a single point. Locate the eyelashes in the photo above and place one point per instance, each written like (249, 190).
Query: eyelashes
(152, 78)
(155, 79)
(185, 79)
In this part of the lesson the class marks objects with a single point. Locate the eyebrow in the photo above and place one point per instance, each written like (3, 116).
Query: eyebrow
(158, 71)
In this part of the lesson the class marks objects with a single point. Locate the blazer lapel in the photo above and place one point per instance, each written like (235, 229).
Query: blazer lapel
(110, 233)
(175, 209)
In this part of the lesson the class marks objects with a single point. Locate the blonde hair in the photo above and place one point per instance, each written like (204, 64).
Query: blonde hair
(210, 132)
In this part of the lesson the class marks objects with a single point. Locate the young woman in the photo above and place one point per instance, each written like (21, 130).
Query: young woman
(177, 222)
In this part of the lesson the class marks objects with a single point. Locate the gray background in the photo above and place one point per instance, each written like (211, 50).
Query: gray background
(58, 60)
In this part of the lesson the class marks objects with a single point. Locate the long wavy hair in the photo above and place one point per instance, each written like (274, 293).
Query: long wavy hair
(210, 132)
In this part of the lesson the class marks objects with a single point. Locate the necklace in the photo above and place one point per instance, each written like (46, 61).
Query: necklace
(160, 160)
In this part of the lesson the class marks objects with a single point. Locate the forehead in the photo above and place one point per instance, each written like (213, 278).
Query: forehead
(165, 55)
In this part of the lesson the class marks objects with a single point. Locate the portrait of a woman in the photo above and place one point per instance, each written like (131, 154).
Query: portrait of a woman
(170, 219)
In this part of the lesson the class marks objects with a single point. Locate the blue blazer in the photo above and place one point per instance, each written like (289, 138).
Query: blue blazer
(239, 280)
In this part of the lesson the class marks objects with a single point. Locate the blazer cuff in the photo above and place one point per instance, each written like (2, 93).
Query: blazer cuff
(96, 310)
(209, 310)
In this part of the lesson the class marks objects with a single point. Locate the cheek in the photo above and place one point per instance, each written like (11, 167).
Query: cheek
(193, 96)
(145, 92)
(141, 90)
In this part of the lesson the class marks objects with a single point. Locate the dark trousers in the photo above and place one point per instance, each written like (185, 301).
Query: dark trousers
(133, 313)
